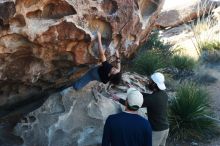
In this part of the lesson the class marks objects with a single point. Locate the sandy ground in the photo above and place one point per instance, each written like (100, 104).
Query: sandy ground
(214, 90)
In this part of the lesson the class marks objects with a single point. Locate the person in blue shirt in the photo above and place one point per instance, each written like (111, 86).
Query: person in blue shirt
(128, 128)
(157, 106)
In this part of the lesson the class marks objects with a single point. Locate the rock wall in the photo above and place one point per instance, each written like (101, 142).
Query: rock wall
(71, 118)
(40, 40)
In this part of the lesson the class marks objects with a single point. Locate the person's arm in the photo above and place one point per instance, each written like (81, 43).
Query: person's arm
(101, 50)
(106, 134)
(122, 101)
(116, 98)
(118, 66)
(147, 99)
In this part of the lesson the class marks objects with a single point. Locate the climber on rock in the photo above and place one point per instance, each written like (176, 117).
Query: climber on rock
(103, 73)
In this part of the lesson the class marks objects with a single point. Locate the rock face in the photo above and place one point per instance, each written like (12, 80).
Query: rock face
(188, 37)
(216, 14)
(73, 118)
(40, 40)
(176, 13)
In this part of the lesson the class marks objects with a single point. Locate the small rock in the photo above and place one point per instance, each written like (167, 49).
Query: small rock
(194, 144)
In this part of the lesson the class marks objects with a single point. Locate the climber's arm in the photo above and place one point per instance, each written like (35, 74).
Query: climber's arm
(101, 50)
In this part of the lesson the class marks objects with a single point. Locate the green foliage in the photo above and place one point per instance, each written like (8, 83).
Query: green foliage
(210, 51)
(210, 45)
(188, 113)
(183, 62)
(154, 42)
(148, 62)
(152, 55)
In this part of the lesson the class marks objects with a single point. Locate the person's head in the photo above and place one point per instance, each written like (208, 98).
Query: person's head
(134, 99)
(115, 78)
(157, 82)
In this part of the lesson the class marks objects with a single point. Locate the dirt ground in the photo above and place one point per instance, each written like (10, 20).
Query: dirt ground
(214, 91)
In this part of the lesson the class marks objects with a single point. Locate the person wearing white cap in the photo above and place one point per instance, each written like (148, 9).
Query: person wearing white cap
(156, 104)
(128, 128)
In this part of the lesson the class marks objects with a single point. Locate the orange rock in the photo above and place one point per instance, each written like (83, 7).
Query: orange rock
(40, 40)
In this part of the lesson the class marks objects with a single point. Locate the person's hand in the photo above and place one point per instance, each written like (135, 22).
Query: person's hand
(147, 82)
(115, 97)
(128, 85)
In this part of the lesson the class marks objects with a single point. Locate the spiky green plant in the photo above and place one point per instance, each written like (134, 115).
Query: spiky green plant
(149, 61)
(154, 42)
(152, 55)
(188, 113)
(183, 62)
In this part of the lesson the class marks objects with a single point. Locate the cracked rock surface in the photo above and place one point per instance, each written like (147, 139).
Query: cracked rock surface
(40, 40)
(76, 118)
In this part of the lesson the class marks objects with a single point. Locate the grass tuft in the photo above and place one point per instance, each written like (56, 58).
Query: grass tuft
(183, 62)
(147, 62)
(189, 113)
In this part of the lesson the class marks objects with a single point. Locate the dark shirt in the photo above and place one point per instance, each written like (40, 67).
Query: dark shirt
(127, 129)
(103, 71)
(156, 104)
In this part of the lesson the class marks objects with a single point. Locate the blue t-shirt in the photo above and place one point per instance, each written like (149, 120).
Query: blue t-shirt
(126, 129)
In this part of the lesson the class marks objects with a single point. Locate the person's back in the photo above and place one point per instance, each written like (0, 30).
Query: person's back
(156, 104)
(127, 129)
(157, 116)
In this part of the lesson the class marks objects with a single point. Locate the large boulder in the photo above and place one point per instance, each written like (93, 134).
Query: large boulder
(40, 40)
(73, 118)
(175, 13)
(186, 38)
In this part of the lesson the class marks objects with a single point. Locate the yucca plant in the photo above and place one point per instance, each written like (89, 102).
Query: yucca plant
(152, 55)
(183, 62)
(155, 42)
(189, 113)
(149, 61)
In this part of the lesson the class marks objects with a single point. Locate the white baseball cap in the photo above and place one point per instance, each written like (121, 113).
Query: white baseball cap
(158, 78)
(134, 97)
